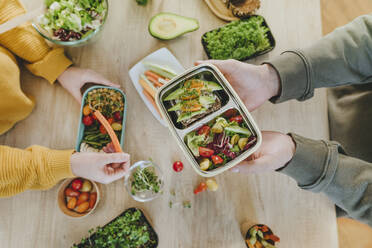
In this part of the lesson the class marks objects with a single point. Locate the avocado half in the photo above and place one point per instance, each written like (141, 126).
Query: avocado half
(168, 26)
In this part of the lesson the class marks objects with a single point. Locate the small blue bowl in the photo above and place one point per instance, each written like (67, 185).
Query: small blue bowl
(82, 126)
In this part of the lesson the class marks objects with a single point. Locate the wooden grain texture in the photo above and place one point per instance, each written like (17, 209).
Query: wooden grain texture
(300, 218)
(336, 13)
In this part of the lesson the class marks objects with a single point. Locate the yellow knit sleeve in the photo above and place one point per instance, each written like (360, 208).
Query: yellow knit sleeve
(34, 168)
(27, 44)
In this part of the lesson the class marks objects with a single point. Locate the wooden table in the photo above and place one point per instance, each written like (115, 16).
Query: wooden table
(301, 219)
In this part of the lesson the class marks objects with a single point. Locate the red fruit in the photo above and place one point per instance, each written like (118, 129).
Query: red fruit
(77, 184)
(230, 113)
(177, 166)
(88, 120)
(201, 187)
(102, 129)
(117, 116)
(204, 130)
(92, 199)
(205, 152)
(83, 198)
(71, 192)
(110, 120)
(217, 159)
(237, 119)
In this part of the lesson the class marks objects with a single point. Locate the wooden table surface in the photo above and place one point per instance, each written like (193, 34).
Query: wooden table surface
(300, 218)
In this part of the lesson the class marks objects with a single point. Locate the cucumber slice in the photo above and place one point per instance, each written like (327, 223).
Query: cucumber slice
(188, 115)
(161, 70)
(206, 100)
(175, 94)
(212, 86)
(237, 129)
(175, 107)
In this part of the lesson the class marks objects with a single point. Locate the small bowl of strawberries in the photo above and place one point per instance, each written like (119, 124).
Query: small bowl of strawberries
(78, 197)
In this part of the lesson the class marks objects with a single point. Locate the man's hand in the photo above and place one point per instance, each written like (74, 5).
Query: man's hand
(100, 167)
(254, 84)
(74, 78)
(276, 151)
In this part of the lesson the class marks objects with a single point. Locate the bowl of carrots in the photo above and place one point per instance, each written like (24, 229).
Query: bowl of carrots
(78, 197)
(102, 120)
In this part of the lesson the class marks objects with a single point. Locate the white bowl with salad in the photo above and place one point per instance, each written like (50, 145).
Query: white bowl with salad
(71, 22)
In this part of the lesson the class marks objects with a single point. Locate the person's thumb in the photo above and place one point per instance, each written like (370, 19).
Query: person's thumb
(254, 166)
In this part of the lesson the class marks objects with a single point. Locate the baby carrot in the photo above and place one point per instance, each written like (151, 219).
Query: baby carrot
(147, 88)
(153, 74)
(152, 101)
(109, 130)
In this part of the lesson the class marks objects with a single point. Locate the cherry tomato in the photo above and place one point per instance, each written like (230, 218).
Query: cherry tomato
(217, 159)
(177, 166)
(71, 192)
(77, 184)
(117, 116)
(92, 199)
(237, 119)
(102, 129)
(82, 207)
(71, 204)
(204, 130)
(87, 110)
(88, 120)
(230, 113)
(83, 198)
(201, 187)
(205, 152)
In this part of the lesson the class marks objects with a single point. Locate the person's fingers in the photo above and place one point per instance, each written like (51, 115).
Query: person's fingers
(255, 165)
(113, 174)
(210, 61)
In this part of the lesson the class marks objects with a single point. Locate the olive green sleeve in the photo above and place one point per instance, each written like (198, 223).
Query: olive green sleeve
(323, 166)
(340, 58)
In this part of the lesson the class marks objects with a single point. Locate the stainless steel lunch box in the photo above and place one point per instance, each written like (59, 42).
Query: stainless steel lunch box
(229, 99)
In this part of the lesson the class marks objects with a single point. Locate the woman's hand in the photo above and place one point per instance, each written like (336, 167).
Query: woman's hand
(254, 84)
(100, 167)
(74, 78)
(275, 152)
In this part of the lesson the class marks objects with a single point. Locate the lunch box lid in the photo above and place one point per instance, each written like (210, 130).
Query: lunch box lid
(180, 140)
(82, 126)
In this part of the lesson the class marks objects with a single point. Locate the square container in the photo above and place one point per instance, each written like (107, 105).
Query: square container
(143, 220)
(82, 126)
(229, 100)
(269, 36)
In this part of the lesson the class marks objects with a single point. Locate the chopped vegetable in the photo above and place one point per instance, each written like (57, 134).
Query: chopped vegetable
(147, 86)
(205, 164)
(201, 187)
(205, 152)
(71, 204)
(87, 110)
(217, 159)
(109, 130)
(152, 101)
(116, 126)
(88, 120)
(77, 184)
(87, 186)
(83, 197)
(211, 184)
(260, 236)
(238, 39)
(92, 199)
(71, 192)
(82, 207)
(177, 166)
(204, 130)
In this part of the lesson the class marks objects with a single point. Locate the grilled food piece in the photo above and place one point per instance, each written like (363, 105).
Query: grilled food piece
(244, 8)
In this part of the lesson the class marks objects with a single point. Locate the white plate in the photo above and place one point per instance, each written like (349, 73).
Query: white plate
(161, 57)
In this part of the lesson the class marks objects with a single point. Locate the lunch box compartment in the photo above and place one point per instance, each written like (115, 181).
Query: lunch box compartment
(269, 36)
(249, 126)
(206, 75)
(82, 126)
(143, 219)
(231, 101)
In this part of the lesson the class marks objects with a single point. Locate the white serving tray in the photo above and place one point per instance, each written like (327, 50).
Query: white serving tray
(161, 57)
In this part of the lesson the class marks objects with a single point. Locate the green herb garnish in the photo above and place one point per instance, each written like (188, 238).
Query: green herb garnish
(145, 179)
(238, 39)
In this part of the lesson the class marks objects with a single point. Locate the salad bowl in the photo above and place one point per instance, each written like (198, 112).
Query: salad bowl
(75, 34)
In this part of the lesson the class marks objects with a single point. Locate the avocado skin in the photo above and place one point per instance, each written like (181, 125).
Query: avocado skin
(174, 15)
